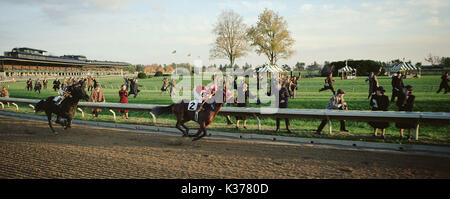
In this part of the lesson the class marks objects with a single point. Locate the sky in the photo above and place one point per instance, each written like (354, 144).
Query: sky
(148, 31)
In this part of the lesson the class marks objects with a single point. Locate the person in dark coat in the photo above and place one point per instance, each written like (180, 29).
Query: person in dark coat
(337, 102)
(373, 83)
(134, 87)
(329, 84)
(56, 84)
(95, 83)
(444, 83)
(379, 102)
(165, 85)
(242, 101)
(29, 85)
(397, 86)
(37, 86)
(283, 97)
(126, 82)
(406, 103)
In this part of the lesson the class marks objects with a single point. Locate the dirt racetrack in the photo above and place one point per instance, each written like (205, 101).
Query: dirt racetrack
(29, 150)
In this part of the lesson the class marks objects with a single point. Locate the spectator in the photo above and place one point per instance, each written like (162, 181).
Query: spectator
(336, 102)
(97, 97)
(123, 94)
(397, 86)
(165, 85)
(444, 83)
(90, 83)
(45, 82)
(29, 85)
(126, 82)
(134, 88)
(95, 83)
(37, 86)
(172, 85)
(406, 103)
(329, 84)
(242, 101)
(229, 95)
(56, 84)
(379, 102)
(69, 81)
(373, 83)
(4, 93)
(283, 97)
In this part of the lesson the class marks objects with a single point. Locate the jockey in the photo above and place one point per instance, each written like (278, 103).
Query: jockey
(199, 93)
(202, 94)
(63, 93)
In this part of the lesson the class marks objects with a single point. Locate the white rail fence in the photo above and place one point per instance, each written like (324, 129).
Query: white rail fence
(381, 116)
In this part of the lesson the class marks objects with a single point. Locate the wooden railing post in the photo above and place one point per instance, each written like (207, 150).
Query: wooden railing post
(17, 107)
(417, 131)
(114, 114)
(153, 117)
(330, 129)
(82, 112)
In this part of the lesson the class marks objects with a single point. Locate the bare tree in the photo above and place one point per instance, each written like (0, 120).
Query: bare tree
(434, 60)
(271, 37)
(231, 41)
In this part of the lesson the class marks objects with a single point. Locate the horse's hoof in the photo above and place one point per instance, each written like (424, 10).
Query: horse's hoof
(56, 133)
(196, 138)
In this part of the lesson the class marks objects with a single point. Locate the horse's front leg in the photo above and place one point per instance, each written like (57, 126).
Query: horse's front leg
(179, 128)
(68, 122)
(49, 118)
(185, 127)
(202, 129)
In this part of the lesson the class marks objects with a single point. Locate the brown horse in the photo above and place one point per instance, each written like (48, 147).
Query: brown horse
(67, 107)
(206, 115)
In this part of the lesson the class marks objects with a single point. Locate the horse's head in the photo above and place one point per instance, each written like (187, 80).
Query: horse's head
(78, 92)
(82, 83)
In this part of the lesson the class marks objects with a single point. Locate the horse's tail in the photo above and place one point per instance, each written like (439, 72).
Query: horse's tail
(161, 110)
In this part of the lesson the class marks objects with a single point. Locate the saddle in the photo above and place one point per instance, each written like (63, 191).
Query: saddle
(196, 107)
(193, 106)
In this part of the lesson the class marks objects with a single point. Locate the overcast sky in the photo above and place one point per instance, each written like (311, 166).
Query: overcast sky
(147, 31)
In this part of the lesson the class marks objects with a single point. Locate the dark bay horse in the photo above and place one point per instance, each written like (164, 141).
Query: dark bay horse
(66, 109)
(205, 116)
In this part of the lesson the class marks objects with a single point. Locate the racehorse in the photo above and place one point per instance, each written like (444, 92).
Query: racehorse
(206, 115)
(66, 109)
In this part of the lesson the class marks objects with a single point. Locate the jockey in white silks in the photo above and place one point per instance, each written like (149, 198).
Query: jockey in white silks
(202, 94)
(62, 95)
